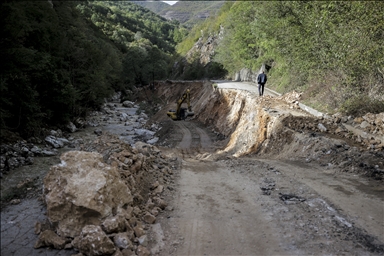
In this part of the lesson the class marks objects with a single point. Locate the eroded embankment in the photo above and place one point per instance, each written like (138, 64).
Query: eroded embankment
(273, 127)
(246, 120)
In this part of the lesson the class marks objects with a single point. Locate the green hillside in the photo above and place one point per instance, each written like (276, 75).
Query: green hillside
(331, 51)
(62, 59)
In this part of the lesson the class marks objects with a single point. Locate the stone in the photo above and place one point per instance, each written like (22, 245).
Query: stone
(37, 228)
(71, 127)
(153, 140)
(143, 240)
(118, 253)
(98, 132)
(144, 132)
(149, 218)
(15, 201)
(358, 120)
(160, 203)
(93, 241)
(139, 231)
(142, 251)
(82, 190)
(364, 124)
(51, 239)
(122, 241)
(321, 127)
(123, 117)
(128, 104)
(158, 190)
(48, 153)
(128, 252)
(54, 141)
(114, 224)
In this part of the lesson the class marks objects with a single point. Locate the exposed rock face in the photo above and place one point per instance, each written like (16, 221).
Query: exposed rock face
(82, 190)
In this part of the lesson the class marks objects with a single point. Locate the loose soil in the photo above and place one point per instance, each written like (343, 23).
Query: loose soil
(252, 206)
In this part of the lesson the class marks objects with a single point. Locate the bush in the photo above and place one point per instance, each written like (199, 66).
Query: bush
(361, 104)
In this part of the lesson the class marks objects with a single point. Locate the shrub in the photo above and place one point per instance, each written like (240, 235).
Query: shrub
(361, 104)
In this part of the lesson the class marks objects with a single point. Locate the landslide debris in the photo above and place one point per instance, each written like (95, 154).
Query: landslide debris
(102, 198)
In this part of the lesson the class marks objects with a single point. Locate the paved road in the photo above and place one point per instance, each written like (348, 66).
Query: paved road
(247, 86)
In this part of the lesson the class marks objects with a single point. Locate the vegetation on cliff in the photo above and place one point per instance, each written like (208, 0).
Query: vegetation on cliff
(330, 50)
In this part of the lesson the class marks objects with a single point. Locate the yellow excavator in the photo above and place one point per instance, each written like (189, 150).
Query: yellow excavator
(182, 113)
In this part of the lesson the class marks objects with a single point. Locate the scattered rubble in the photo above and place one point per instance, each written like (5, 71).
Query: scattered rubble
(106, 195)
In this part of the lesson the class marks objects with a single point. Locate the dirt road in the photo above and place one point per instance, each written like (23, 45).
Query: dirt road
(248, 206)
(251, 206)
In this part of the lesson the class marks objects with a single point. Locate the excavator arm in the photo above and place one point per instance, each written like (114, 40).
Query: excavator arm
(181, 113)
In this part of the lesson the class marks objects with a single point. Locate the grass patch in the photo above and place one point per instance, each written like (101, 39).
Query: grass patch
(361, 104)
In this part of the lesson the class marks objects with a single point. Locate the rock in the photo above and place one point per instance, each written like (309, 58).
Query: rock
(159, 189)
(114, 224)
(54, 141)
(128, 252)
(48, 153)
(123, 117)
(93, 241)
(149, 218)
(143, 240)
(122, 241)
(144, 132)
(82, 190)
(36, 150)
(142, 251)
(153, 140)
(118, 253)
(128, 104)
(155, 184)
(160, 203)
(15, 201)
(71, 127)
(358, 120)
(37, 228)
(49, 238)
(98, 132)
(139, 231)
(321, 127)
(80, 123)
(364, 124)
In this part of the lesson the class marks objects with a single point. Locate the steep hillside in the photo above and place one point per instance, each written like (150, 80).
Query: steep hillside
(304, 47)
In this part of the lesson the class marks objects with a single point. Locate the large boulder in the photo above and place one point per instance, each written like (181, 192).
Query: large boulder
(83, 190)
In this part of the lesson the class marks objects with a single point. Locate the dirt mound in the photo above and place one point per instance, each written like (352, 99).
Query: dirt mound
(106, 194)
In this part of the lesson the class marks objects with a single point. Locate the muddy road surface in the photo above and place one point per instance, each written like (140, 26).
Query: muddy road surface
(250, 206)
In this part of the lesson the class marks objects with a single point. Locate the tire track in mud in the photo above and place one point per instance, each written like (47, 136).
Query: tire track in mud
(194, 140)
(186, 141)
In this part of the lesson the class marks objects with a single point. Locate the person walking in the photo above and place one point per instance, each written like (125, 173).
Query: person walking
(261, 80)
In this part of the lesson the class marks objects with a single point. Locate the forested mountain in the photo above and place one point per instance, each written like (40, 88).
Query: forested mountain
(60, 59)
(188, 13)
(332, 51)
